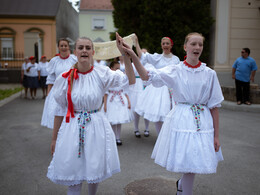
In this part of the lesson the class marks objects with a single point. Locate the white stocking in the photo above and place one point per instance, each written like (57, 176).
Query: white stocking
(136, 121)
(146, 122)
(179, 187)
(158, 126)
(92, 188)
(74, 190)
(114, 127)
(187, 183)
(118, 132)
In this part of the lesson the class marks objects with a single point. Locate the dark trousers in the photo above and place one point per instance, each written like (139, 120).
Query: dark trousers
(242, 91)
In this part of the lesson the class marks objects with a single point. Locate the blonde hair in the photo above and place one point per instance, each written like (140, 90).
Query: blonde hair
(84, 38)
(188, 36)
(168, 38)
(75, 66)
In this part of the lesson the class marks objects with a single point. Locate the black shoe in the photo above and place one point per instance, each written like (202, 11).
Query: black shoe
(146, 133)
(137, 134)
(118, 142)
(177, 187)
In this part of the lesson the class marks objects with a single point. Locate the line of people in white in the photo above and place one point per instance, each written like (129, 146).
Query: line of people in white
(33, 76)
(181, 98)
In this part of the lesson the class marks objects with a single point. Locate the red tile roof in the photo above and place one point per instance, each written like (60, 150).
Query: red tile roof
(96, 5)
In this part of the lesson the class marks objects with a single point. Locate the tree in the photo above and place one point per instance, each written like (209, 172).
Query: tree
(153, 19)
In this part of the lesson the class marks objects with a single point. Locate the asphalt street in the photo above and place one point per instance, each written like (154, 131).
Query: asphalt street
(25, 156)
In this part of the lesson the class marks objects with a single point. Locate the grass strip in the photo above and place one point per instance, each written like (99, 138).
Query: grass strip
(5, 93)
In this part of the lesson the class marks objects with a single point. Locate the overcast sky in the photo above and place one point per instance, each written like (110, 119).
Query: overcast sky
(73, 1)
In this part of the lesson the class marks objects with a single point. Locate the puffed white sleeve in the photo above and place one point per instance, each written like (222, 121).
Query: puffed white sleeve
(111, 79)
(59, 90)
(149, 58)
(216, 96)
(163, 76)
(51, 71)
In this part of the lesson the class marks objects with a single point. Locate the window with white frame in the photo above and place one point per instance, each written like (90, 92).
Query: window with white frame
(7, 48)
(98, 23)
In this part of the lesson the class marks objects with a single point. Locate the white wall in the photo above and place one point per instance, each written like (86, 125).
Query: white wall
(237, 26)
(85, 24)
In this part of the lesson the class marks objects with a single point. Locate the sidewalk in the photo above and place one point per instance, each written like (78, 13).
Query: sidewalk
(243, 107)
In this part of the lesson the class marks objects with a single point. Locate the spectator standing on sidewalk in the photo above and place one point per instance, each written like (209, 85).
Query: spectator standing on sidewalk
(24, 74)
(43, 75)
(243, 70)
(33, 76)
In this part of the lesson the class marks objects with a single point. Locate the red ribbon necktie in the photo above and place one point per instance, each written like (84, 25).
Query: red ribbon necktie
(70, 104)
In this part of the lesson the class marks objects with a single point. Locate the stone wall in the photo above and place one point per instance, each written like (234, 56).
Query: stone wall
(229, 93)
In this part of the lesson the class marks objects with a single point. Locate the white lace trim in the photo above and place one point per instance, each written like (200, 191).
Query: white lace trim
(149, 116)
(167, 55)
(72, 180)
(188, 170)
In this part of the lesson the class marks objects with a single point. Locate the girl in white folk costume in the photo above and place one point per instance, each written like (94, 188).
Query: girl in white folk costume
(83, 144)
(56, 66)
(135, 92)
(155, 103)
(189, 139)
(117, 106)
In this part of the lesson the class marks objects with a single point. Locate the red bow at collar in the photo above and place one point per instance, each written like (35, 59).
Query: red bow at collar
(70, 104)
(75, 76)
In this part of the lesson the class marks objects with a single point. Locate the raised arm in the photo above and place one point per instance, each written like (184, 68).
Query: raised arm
(128, 66)
(126, 51)
(138, 48)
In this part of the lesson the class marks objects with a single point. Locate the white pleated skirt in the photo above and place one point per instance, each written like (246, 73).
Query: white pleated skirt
(99, 158)
(181, 148)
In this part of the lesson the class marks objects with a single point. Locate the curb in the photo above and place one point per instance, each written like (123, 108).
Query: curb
(11, 98)
(245, 108)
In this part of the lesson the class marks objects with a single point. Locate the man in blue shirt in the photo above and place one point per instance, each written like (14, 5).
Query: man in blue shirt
(243, 70)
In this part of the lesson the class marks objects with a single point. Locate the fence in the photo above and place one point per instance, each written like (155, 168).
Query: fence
(13, 62)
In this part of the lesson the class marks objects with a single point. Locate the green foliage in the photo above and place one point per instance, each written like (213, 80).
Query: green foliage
(153, 19)
(4, 93)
